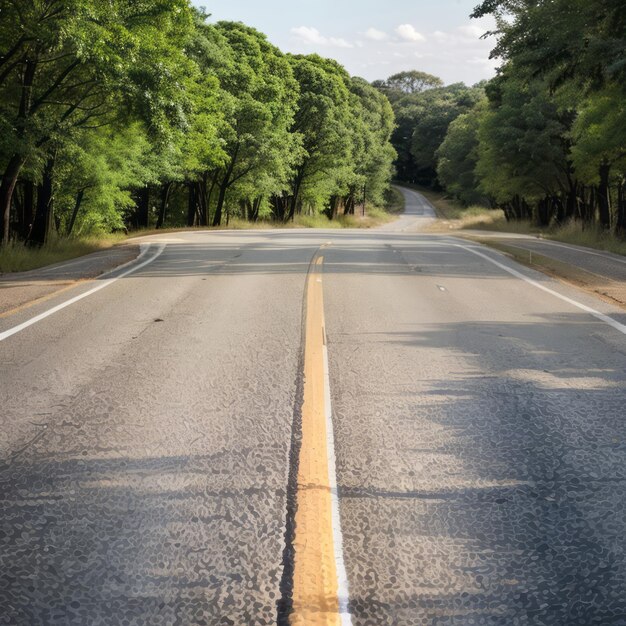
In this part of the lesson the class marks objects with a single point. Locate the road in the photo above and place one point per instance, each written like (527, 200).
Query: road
(455, 454)
(600, 272)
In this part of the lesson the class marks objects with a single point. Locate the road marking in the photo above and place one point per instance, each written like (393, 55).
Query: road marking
(601, 316)
(67, 286)
(320, 588)
(571, 248)
(103, 284)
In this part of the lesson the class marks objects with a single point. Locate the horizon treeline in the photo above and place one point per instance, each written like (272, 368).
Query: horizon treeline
(139, 113)
(545, 140)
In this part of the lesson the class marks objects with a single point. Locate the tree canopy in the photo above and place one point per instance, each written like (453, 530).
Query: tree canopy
(545, 139)
(133, 113)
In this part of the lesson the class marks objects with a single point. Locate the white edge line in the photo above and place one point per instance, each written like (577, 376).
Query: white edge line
(342, 577)
(572, 248)
(601, 316)
(106, 283)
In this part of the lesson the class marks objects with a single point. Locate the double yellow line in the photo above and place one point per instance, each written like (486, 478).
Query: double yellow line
(319, 583)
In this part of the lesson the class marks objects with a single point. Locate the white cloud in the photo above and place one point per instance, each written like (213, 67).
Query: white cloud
(310, 35)
(455, 51)
(440, 36)
(408, 33)
(376, 35)
(472, 31)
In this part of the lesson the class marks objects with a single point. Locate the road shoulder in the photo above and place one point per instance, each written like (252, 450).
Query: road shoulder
(20, 290)
(601, 274)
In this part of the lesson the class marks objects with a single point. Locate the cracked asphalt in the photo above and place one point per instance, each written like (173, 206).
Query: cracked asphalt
(479, 425)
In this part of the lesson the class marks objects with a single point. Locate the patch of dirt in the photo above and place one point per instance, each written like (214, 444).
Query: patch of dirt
(22, 290)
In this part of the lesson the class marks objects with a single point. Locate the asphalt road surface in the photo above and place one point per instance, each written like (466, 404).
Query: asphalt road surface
(461, 430)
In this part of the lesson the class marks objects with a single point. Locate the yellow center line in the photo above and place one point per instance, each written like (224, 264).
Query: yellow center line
(315, 586)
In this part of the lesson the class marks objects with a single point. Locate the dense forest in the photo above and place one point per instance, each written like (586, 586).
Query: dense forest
(545, 140)
(140, 113)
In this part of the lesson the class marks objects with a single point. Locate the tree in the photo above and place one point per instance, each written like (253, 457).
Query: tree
(457, 157)
(439, 108)
(599, 151)
(583, 64)
(322, 125)
(562, 40)
(259, 102)
(67, 65)
(523, 152)
(372, 153)
(96, 175)
(407, 83)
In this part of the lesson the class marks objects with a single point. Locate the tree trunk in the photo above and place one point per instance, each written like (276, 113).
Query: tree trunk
(28, 206)
(333, 209)
(165, 194)
(620, 222)
(79, 200)
(217, 218)
(588, 205)
(350, 202)
(44, 209)
(7, 187)
(604, 200)
(224, 185)
(210, 195)
(295, 198)
(191, 204)
(542, 215)
(255, 208)
(279, 207)
(143, 208)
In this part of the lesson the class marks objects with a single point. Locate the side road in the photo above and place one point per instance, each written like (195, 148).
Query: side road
(596, 271)
(21, 289)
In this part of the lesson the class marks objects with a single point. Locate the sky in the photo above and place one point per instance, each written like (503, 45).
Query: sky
(373, 38)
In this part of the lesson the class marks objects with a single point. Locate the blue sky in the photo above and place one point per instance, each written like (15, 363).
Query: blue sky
(373, 38)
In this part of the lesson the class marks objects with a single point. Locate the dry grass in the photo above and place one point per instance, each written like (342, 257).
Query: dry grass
(574, 233)
(16, 257)
(454, 217)
(394, 201)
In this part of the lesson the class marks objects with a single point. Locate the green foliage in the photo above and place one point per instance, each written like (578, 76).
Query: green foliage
(438, 109)
(521, 149)
(322, 123)
(424, 110)
(95, 177)
(117, 113)
(457, 157)
(583, 41)
(407, 83)
(549, 141)
(599, 134)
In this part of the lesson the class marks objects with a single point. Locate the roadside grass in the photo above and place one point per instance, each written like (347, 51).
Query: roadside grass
(16, 257)
(574, 233)
(454, 217)
(394, 201)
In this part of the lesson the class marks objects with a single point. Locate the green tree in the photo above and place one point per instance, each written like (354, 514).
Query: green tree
(407, 83)
(260, 96)
(67, 65)
(437, 109)
(523, 152)
(457, 157)
(562, 40)
(322, 125)
(599, 151)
